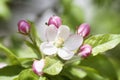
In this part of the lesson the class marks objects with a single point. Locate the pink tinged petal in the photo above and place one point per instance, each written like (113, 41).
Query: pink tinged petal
(65, 54)
(55, 20)
(48, 48)
(51, 33)
(63, 32)
(84, 29)
(73, 42)
(85, 50)
(2, 65)
(38, 66)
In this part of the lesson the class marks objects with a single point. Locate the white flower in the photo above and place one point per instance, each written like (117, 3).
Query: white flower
(59, 41)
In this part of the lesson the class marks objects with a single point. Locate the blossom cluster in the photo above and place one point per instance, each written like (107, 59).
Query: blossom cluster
(59, 41)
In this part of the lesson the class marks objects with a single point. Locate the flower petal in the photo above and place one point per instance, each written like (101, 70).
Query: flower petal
(42, 32)
(63, 32)
(48, 48)
(51, 33)
(2, 65)
(38, 66)
(73, 42)
(65, 54)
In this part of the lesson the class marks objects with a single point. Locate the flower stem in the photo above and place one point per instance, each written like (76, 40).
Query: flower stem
(40, 55)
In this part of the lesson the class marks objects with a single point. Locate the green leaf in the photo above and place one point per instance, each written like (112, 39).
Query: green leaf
(42, 78)
(52, 66)
(56, 77)
(26, 62)
(34, 48)
(28, 74)
(7, 78)
(92, 74)
(102, 65)
(13, 59)
(103, 42)
(116, 64)
(74, 72)
(16, 78)
(30, 44)
(77, 72)
(11, 70)
(81, 73)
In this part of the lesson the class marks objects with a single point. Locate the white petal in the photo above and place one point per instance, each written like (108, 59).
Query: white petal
(51, 33)
(48, 48)
(73, 42)
(63, 32)
(42, 31)
(65, 54)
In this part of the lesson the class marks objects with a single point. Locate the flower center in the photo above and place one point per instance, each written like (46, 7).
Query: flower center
(59, 42)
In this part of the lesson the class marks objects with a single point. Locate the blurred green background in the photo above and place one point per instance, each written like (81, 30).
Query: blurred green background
(102, 15)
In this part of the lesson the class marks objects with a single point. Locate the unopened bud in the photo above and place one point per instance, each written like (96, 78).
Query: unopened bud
(38, 66)
(84, 29)
(85, 51)
(55, 20)
(23, 27)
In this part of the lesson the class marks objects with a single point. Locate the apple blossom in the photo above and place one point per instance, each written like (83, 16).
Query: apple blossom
(84, 29)
(59, 41)
(23, 27)
(55, 20)
(85, 50)
(38, 66)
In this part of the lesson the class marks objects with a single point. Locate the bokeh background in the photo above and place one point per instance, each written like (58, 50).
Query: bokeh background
(102, 15)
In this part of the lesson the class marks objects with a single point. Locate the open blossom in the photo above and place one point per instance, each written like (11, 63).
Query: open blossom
(23, 27)
(38, 66)
(85, 50)
(59, 41)
(55, 20)
(84, 29)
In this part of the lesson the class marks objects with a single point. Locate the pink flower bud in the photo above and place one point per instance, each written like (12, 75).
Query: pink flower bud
(84, 29)
(23, 27)
(38, 66)
(55, 20)
(85, 50)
